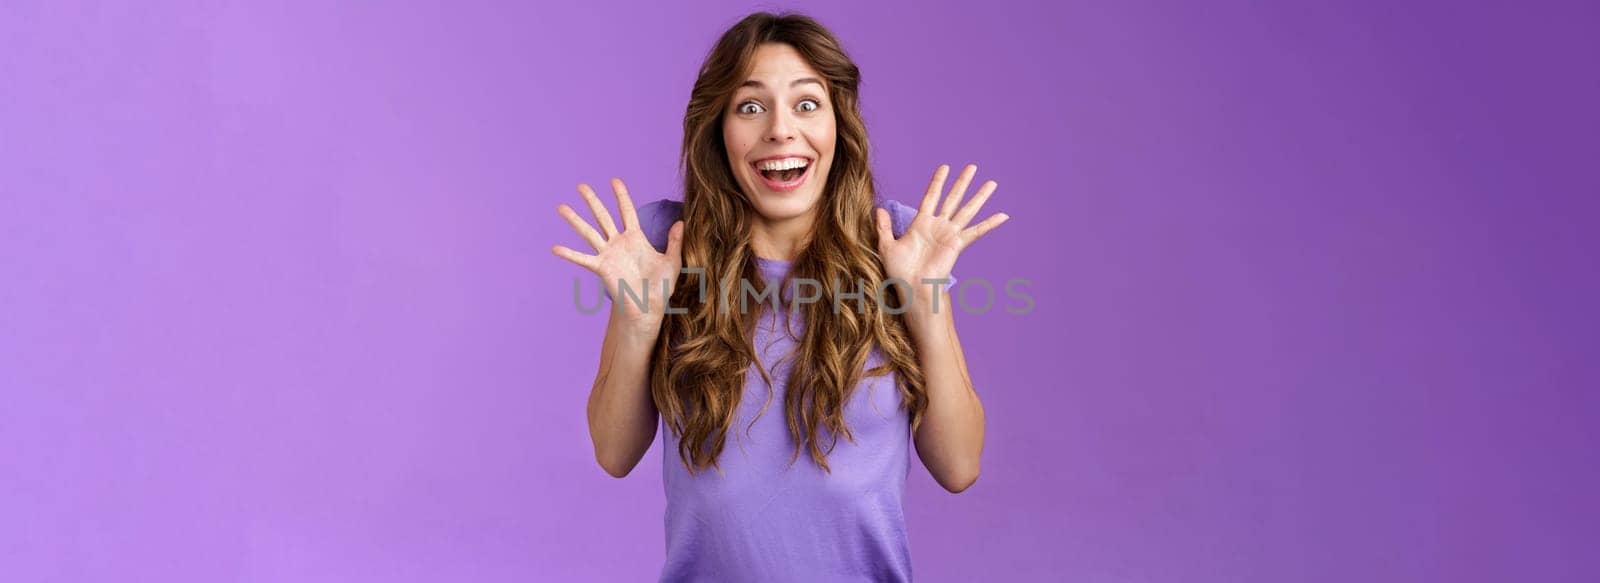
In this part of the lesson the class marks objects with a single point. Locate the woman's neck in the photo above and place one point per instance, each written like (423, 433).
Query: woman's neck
(781, 240)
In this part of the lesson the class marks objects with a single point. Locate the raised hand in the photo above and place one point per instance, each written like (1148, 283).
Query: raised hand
(626, 255)
(936, 236)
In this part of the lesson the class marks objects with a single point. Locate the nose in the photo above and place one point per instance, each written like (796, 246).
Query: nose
(781, 130)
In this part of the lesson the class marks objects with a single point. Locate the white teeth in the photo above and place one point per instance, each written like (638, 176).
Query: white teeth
(784, 164)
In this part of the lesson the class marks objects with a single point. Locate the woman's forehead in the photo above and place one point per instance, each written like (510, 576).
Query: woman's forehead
(779, 65)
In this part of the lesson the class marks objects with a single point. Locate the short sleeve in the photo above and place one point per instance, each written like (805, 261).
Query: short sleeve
(900, 215)
(656, 218)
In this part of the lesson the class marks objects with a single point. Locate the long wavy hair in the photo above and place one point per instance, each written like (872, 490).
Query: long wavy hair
(701, 357)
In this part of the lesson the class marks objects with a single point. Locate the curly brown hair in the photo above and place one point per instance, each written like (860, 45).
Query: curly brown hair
(701, 357)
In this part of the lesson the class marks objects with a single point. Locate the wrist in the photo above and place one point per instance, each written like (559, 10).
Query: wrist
(643, 326)
(929, 306)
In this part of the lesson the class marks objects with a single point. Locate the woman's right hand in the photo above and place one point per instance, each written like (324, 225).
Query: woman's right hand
(625, 256)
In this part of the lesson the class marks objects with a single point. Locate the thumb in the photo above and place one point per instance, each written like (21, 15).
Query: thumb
(675, 242)
(885, 230)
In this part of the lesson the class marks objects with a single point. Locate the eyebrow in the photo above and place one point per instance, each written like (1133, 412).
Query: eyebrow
(758, 85)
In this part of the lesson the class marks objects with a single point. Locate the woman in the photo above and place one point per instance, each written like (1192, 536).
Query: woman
(777, 189)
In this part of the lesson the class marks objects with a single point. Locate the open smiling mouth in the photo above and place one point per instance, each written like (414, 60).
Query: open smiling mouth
(783, 175)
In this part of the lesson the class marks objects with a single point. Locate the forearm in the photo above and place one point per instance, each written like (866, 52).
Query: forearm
(622, 414)
(950, 437)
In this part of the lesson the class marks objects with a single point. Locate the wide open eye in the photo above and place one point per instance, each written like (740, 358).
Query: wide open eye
(814, 105)
(749, 107)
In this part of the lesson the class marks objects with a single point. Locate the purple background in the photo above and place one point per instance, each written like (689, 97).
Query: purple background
(1314, 285)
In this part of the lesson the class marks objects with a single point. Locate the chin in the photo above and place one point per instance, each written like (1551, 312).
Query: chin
(778, 209)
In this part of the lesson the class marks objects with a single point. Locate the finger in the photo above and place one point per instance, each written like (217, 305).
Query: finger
(601, 216)
(675, 242)
(582, 226)
(930, 199)
(583, 260)
(885, 227)
(630, 218)
(959, 191)
(980, 229)
(973, 206)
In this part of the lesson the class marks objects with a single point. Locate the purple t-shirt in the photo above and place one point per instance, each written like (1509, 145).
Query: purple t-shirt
(764, 520)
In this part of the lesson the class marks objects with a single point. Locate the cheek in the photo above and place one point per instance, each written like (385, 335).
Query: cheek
(736, 156)
(824, 137)
(825, 141)
(735, 142)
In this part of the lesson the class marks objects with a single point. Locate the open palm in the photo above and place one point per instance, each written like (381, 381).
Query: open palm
(625, 255)
(936, 236)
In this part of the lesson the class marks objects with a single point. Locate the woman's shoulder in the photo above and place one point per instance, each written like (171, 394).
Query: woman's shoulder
(900, 214)
(656, 218)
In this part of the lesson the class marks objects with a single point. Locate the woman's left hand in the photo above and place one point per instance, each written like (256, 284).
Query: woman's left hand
(930, 244)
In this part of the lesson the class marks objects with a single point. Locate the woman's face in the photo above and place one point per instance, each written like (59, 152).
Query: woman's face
(779, 131)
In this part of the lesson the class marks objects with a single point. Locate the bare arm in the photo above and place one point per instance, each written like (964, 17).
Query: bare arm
(622, 414)
(950, 438)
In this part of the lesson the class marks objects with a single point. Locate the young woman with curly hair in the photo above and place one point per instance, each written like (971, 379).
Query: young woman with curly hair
(777, 192)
